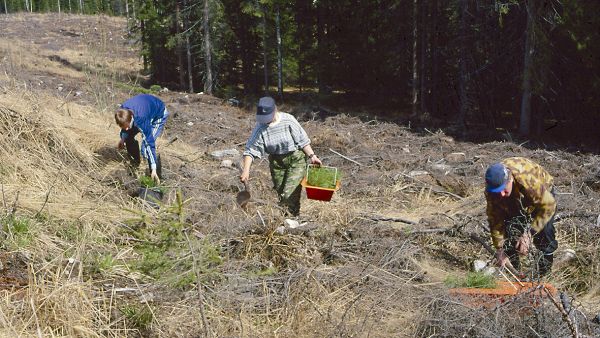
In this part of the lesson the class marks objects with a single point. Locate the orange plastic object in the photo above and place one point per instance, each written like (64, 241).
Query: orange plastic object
(318, 193)
(533, 293)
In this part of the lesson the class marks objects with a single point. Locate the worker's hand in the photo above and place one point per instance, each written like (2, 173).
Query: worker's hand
(523, 243)
(502, 259)
(315, 160)
(154, 176)
(121, 144)
(245, 176)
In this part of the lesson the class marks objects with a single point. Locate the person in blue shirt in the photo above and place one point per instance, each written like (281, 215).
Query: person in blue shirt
(146, 114)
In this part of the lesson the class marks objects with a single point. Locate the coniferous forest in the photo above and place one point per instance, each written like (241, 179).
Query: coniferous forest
(531, 67)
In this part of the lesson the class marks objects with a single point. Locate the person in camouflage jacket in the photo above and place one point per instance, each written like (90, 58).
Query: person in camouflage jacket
(521, 208)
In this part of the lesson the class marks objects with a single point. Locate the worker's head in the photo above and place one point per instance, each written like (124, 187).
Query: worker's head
(123, 117)
(498, 180)
(265, 110)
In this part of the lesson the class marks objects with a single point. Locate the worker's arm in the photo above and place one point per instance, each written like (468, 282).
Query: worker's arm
(495, 217)
(246, 164)
(310, 153)
(545, 207)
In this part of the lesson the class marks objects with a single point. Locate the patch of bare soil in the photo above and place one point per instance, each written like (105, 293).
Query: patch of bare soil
(13, 271)
(372, 262)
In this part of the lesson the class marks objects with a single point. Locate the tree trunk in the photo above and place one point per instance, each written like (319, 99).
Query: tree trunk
(321, 47)
(5, 8)
(58, 2)
(525, 122)
(188, 49)
(143, 38)
(415, 73)
(423, 55)
(265, 58)
(178, 48)
(279, 56)
(126, 9)
(462, 66)
(81, 6)
(70, 10)
(208, 80)
(435, 78)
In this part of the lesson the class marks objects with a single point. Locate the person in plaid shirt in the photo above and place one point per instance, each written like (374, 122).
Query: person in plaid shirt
(279, 135)
(520, 209)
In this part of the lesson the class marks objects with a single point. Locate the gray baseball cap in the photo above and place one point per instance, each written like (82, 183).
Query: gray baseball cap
(265, 110)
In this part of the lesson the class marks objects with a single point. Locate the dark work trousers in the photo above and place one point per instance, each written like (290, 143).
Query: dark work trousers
(133, 150)
(545, 241)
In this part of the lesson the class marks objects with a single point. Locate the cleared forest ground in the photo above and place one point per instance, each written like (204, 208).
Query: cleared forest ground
(82, 257)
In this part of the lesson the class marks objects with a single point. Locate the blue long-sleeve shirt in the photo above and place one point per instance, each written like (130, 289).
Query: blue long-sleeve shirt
(149, 118)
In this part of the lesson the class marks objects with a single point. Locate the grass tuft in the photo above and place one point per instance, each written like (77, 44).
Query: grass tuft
(472, 280)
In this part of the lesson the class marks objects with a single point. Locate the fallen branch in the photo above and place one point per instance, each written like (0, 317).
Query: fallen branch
(574, 214)
(429, 231)
(565, 315)
(433, 187)
(389, 219)
(175, 138)
(345, 157)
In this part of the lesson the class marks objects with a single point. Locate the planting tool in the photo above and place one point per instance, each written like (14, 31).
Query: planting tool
(507, 279)
(243, 196)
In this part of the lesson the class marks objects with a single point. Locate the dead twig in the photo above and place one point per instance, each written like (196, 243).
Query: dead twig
(14, 206)
(46, 200)
(175, 138)
(344, 157)
(389, 219)
(565, 315)
(432, 187)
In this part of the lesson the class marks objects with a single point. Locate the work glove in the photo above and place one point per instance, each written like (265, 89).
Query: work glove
(155, 177)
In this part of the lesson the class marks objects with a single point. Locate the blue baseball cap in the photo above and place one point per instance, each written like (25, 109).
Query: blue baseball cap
(496, 178)
(265, 110)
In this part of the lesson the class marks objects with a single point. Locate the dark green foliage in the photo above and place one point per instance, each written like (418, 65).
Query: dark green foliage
(163, 248)
(365, 49)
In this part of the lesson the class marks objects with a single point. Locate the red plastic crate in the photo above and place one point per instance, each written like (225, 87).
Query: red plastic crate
(318, 193)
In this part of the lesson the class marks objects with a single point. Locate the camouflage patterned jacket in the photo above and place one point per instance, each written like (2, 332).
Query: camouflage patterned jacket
(531, 195)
